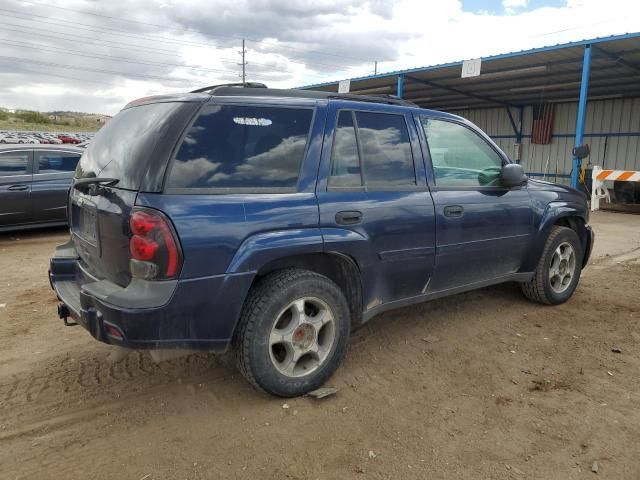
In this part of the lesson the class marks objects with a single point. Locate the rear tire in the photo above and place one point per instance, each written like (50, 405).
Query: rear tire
(558, 271)
(293, 332)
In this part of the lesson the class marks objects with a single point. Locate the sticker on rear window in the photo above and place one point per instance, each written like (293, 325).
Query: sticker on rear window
(260, 122)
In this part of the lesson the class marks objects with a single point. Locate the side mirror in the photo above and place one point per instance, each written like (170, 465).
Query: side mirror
(512, 175)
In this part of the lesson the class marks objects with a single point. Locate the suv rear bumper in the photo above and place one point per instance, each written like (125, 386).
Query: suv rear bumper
(199, 313)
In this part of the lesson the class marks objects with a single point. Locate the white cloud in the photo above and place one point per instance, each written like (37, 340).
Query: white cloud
(65, 59)
(510, 6)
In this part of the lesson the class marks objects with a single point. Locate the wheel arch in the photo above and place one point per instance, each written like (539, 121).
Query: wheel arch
(564, 214)
(341, 269)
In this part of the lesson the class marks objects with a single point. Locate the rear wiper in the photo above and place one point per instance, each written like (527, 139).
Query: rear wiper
(84, 184)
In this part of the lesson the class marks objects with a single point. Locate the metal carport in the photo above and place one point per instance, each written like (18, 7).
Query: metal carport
(577, 72)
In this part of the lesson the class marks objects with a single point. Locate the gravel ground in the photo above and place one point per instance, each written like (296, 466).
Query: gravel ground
(480, 385)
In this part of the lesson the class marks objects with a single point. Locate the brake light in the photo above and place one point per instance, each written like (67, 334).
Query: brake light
(155, 252)
(143, 248)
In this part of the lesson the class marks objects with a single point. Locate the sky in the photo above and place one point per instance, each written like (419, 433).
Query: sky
(96, 56)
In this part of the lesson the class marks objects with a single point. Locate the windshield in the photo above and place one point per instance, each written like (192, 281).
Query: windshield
(122, 148)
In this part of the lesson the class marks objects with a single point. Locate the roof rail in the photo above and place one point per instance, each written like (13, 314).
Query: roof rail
(212, 88)
(261, 90)
(390, 99)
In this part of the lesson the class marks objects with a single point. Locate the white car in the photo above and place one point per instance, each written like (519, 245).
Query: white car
(10, 139)
(30, 139)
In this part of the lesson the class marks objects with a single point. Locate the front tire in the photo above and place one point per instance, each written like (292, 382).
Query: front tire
(293, 332)
(558, 271)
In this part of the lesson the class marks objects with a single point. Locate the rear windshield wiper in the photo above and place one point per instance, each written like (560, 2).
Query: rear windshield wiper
(84, 184)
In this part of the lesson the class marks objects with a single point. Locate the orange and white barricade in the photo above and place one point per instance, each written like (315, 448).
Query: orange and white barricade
(599, 189)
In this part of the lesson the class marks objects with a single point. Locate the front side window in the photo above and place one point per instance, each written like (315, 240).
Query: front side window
(56, 162)
(13, 163)
(231, 146)
(460, 157)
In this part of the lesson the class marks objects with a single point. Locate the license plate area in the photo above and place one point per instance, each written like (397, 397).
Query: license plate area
(84, 220)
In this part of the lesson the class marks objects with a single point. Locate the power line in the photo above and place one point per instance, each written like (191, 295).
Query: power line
(88, 69)
(41, 47)
(127, 46)
(165, 27)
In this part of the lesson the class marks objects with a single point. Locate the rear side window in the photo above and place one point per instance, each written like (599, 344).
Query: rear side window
(243, 147)
(13, 163)
(374, 148)
(56, 162)
(385, 149)
(345, 164)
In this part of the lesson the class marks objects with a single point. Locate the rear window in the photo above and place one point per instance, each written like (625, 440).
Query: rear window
(122, 148)
(243, 147)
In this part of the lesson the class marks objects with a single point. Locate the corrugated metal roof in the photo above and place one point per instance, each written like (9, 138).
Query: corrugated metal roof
(550, 73)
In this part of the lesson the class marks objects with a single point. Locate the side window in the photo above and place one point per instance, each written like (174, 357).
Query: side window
(385, 150)
(13, 163)
(345, 161)
(460, 157)
(233, 146)
(56, 162)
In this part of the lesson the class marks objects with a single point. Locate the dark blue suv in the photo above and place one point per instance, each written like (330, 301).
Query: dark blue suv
(274, 222)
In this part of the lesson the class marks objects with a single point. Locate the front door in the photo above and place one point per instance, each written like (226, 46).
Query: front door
(15, 187)
(374, 202)
(483, 228)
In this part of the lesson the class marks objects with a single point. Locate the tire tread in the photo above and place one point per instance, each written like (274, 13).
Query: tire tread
(534, 289)
(254, 306)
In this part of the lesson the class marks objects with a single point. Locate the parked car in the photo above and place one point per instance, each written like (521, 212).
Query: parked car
(274, 222)
(68, 139)
(11, 139)
(34, 184)
(54, 140)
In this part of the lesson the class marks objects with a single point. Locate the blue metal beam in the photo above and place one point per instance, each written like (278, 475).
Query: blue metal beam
(400, 89)
(582, 112)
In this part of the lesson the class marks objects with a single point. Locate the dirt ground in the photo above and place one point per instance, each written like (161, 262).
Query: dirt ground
(478, 386)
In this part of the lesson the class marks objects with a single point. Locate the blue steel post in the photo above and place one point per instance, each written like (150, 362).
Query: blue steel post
(400, 89)
(582, 112)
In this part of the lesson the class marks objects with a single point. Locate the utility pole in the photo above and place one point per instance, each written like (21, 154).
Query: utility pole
(244, 63)
(375, 67)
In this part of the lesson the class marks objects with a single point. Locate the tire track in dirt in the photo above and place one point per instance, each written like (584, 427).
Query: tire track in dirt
(90, 377)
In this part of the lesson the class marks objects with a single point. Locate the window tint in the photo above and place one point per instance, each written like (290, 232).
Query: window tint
(385, 150)
(345, 162)
(243, 147)
(57, 162)
(460, 157)
(13, 163)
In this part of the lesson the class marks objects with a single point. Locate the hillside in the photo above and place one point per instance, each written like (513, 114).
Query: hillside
(28, 120)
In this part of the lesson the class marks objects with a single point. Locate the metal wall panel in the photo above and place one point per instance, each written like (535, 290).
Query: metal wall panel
(606, 121)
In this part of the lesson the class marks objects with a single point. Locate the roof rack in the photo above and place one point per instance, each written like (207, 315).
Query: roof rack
(261, 90)
(390, 99)
(213, 88)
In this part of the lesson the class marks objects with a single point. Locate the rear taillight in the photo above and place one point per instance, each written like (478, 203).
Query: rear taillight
(155, 252)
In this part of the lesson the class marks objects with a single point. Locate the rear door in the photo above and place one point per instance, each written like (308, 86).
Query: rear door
(483, 228)
(15, 187)
(52, 175)
(374, 201)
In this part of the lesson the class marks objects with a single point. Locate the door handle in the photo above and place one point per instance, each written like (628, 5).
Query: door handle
(351, 217)
(453, 211)
(18, 188)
